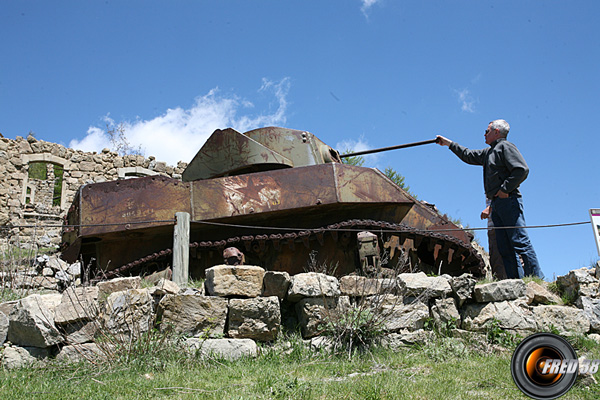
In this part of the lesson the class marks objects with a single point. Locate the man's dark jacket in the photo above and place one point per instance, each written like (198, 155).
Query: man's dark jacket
(504, 168)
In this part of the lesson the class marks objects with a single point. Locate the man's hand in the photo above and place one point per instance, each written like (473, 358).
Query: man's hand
(442, 141)
(501, 194)
(485, 214)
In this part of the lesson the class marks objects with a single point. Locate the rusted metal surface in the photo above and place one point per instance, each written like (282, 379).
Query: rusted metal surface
(229, 152)
(131, 204)
(332, 249)
(233, 256)
(368, 252)
(291, 191)
(128, 224)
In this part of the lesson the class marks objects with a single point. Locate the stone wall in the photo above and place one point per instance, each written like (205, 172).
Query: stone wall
(240, 305)
(25, 200)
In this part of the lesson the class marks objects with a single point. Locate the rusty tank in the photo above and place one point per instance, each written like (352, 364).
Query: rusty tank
(280, 196)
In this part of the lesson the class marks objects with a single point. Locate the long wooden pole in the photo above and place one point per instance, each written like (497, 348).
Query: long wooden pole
(181, 248)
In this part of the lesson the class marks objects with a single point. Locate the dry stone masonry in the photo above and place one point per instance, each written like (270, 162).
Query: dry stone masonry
(40, 179)
(242, 305)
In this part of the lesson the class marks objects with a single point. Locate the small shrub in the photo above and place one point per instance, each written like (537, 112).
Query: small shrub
(568, 298)
(446, 348)
(554, 288)
(441, 329)
(584, 344)
(358, 327)
(483, 281)
(535, 279)
(495, 334)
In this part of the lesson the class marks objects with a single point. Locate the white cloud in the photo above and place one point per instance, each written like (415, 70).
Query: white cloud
(353, 146)
(467, 103)
(95, 139)
(366, 5)
(178, 134)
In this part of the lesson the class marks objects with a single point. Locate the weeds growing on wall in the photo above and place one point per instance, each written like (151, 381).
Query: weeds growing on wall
(357, 325)
(495, 334)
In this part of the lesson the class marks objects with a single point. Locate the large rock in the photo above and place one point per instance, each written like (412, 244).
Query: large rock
(56, 263)
(444, 313)
(400, 340)
(3, 327)
(35, 282)
(509, 315)
(228, 349)
(538, 294)
(257, 318)
(74, 269)
(155, 277)
(575, 279)
(589, 290)
(117, 285)
(81, 331)
(77, 304)
(51, 300)
(165, 286)
(566, 320)
(234, 280)
(395, 313)
(128, 313)
(276, 283)
(507, 289)
(577, 276)
(89, 352)
(591, 309)
(315, 312)
(20, 357)
(32, 324)
(313, 284)
(192, 315)
(8, 306)
(359, 286)
(462, 287)
(420, 285)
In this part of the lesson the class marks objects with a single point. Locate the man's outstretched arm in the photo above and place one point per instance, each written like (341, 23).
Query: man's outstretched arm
(473, 157)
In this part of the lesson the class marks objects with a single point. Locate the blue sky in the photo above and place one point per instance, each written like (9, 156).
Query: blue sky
(358, 74)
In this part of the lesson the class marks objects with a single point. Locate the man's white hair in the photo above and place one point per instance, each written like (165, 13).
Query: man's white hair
(502, 126)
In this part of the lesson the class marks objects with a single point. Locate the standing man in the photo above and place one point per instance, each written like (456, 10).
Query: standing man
(504, 169)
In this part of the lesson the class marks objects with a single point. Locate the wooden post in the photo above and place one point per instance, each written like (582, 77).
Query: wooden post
(181, 248)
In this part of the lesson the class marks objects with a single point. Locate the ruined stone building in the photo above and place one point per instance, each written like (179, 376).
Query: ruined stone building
(39, 180)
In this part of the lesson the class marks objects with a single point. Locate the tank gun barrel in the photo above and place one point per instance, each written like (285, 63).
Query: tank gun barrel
(400, 146)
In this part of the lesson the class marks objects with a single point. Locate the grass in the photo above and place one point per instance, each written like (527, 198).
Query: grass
(454, 371)
(155, 368)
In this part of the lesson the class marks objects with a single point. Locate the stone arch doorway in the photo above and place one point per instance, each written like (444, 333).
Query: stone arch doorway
(45, 184)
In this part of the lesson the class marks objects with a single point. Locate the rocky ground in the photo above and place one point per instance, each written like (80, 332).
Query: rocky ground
(238, 306)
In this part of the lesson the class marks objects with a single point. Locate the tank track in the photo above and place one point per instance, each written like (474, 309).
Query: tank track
(472, 261)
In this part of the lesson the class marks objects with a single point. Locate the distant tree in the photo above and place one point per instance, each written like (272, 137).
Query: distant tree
(119, 141)
(398, 179)
(357, 161)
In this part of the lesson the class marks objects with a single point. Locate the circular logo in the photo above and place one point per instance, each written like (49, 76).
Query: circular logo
(544, 366)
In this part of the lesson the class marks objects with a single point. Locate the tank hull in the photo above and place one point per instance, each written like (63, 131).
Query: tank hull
(116, 223)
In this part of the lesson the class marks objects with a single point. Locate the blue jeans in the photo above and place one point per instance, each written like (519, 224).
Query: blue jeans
(514, 240)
